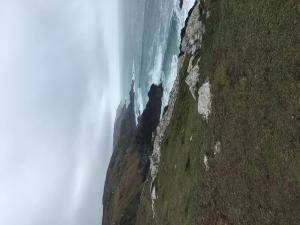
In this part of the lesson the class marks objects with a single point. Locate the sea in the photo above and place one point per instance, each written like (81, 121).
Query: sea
(149, 45)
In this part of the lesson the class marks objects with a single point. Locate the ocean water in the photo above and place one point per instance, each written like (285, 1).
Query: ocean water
(150, 45)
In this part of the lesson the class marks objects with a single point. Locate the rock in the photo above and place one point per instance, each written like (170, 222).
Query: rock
(217, 148)
(180, 3)
(193, 78)
(129, 164)
(194, 31)
(205, 161)
(204, 100)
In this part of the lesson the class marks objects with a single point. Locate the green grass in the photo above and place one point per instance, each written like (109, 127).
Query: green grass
(251, 56)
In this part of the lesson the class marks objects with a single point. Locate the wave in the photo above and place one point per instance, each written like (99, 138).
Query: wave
(157, 59)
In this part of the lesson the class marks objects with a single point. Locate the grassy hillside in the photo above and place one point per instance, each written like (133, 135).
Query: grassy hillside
(250, 55)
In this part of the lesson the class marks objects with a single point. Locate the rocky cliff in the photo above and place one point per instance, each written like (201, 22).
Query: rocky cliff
(129, 164)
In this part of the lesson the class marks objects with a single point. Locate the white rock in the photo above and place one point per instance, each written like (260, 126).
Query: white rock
(153, 197)
(193, 77)
(205, 161)
(207, 14)
(204, 100)
(217, 148)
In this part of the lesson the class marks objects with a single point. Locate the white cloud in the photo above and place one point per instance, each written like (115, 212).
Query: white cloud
(59, 88)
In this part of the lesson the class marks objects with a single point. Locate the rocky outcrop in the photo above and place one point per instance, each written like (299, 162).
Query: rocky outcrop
(148, 123)
(193, 78)
(180, 3)
(184, 29)
(130, 162)
(204, 100)
(194, 31)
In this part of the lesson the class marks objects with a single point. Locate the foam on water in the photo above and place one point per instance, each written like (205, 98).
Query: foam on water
(139, 102)
(156, 72)
(156, 59)
(170, 81)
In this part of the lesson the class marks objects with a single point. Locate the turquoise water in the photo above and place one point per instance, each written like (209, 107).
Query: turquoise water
(151, 43)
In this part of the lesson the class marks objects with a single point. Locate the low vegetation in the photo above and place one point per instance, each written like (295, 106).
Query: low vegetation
(250, 55)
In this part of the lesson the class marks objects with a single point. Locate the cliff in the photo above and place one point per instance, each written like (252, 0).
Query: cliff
(129, 163)
(227, 148)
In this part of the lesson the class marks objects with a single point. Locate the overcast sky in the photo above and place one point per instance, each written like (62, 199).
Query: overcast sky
(59, 88)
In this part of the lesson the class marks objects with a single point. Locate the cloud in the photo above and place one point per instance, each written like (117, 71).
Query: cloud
(59, 88)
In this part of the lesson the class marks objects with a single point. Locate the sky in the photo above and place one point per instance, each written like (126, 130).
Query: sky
(59, 89)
